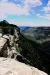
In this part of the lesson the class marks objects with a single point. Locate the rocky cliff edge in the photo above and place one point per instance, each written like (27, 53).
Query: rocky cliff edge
(12, 67)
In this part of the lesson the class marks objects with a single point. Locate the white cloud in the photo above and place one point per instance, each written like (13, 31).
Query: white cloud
(38, 14)
(48, 3)
(13, 9)
(4, 0)
(33, 2)
(46, 10)
(9, 8)
(47, 16)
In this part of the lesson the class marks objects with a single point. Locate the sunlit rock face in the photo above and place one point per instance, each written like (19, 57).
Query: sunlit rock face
(12, 67)
(9, 35)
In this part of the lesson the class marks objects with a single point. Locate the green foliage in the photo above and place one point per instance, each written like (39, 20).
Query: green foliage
(30, 50)
(19, 49)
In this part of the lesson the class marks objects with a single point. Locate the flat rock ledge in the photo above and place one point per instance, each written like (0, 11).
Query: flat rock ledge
(12, 67)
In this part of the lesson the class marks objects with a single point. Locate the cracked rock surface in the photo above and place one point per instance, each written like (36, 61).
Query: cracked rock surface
(12, 67)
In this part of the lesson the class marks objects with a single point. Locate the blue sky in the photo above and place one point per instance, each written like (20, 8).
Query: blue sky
(26, 12)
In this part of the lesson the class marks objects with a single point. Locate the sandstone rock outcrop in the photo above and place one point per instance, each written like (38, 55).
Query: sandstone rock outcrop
(8, 38)
(12, 67)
